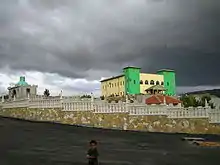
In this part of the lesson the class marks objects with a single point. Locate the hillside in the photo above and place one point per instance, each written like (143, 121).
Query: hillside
(213, 92)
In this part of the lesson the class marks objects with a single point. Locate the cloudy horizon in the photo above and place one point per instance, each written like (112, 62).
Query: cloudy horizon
(70, 45)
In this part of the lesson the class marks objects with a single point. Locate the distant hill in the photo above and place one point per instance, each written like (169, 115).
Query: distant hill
(213, 92)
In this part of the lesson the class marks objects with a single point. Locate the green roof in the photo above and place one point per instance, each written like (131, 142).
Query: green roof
(134, 67)
(22, 82)
(166, 70)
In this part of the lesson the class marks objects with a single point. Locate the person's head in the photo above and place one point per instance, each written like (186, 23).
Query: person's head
(93, 144)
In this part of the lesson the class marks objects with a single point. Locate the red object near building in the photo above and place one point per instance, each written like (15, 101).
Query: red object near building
(162, 99)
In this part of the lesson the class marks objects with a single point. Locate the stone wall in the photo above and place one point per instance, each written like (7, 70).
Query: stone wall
(115, 120)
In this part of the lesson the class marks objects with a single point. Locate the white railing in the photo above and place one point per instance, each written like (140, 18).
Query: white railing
(103, 107)
(77, 104)
(16, 104)
(33, 103)
(214, 116)
(45, 103)
(68, 105)
(188, 112)
(147, 110)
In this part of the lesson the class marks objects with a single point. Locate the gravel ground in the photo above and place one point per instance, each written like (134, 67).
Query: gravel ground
(32, 143)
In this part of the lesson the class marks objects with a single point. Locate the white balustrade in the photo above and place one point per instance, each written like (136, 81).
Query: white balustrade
(88, 104)
(147, 110)
(75, 105)
(103, 107)
(33, 103)
(188, 112)
(214, 116)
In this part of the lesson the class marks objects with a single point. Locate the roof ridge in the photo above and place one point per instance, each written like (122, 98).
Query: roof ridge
(158, 98)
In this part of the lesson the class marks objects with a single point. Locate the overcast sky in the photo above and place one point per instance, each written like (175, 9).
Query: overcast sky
(72, 44)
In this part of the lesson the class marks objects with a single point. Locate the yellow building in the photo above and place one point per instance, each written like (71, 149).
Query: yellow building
(113, 86)
(134, 82)
(149, 80)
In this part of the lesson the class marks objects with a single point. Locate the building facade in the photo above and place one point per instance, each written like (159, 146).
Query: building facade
(22, 90)
(132, 81)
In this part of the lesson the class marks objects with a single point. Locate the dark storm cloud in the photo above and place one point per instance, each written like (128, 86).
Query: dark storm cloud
(82, 38)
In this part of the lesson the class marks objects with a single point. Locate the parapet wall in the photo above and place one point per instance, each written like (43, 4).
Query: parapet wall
(123, 120)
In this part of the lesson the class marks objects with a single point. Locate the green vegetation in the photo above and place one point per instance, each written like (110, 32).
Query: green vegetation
(117, 98)
(191, 101)
(46, 93)
(86, 96)
(102, 97)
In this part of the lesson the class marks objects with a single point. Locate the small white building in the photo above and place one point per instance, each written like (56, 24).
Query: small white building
(22, 90)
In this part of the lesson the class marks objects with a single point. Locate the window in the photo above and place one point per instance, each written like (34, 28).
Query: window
(157, 83)
(146, 82)
(152, 82)
(168, 83)
(141, 82)
(134, 82)
(162, 83)
(120, 83)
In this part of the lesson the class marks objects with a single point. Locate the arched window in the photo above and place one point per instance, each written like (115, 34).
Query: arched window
(146, 82)
(152, 82)
(162, 83)
(141, 82)
(157, 83)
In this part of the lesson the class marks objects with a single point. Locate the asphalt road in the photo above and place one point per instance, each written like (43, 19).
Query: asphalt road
(29, 143)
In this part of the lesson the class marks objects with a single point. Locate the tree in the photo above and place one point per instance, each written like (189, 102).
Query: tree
(208, 99)
(86, 96)
(46, 93)
(191, 101)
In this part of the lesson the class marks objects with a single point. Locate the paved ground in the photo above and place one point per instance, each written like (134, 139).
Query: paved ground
(28, 143)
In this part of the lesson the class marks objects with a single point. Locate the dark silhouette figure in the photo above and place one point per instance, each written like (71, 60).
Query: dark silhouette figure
(92, 154)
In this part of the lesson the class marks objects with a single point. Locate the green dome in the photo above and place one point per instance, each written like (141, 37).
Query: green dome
(22, 82)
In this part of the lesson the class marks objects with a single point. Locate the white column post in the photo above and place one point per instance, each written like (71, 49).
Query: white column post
(61, 99)
(92, 102)
(126, 102)
(3, 99)
(164, 100)
(206, 104)
(61, 94)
